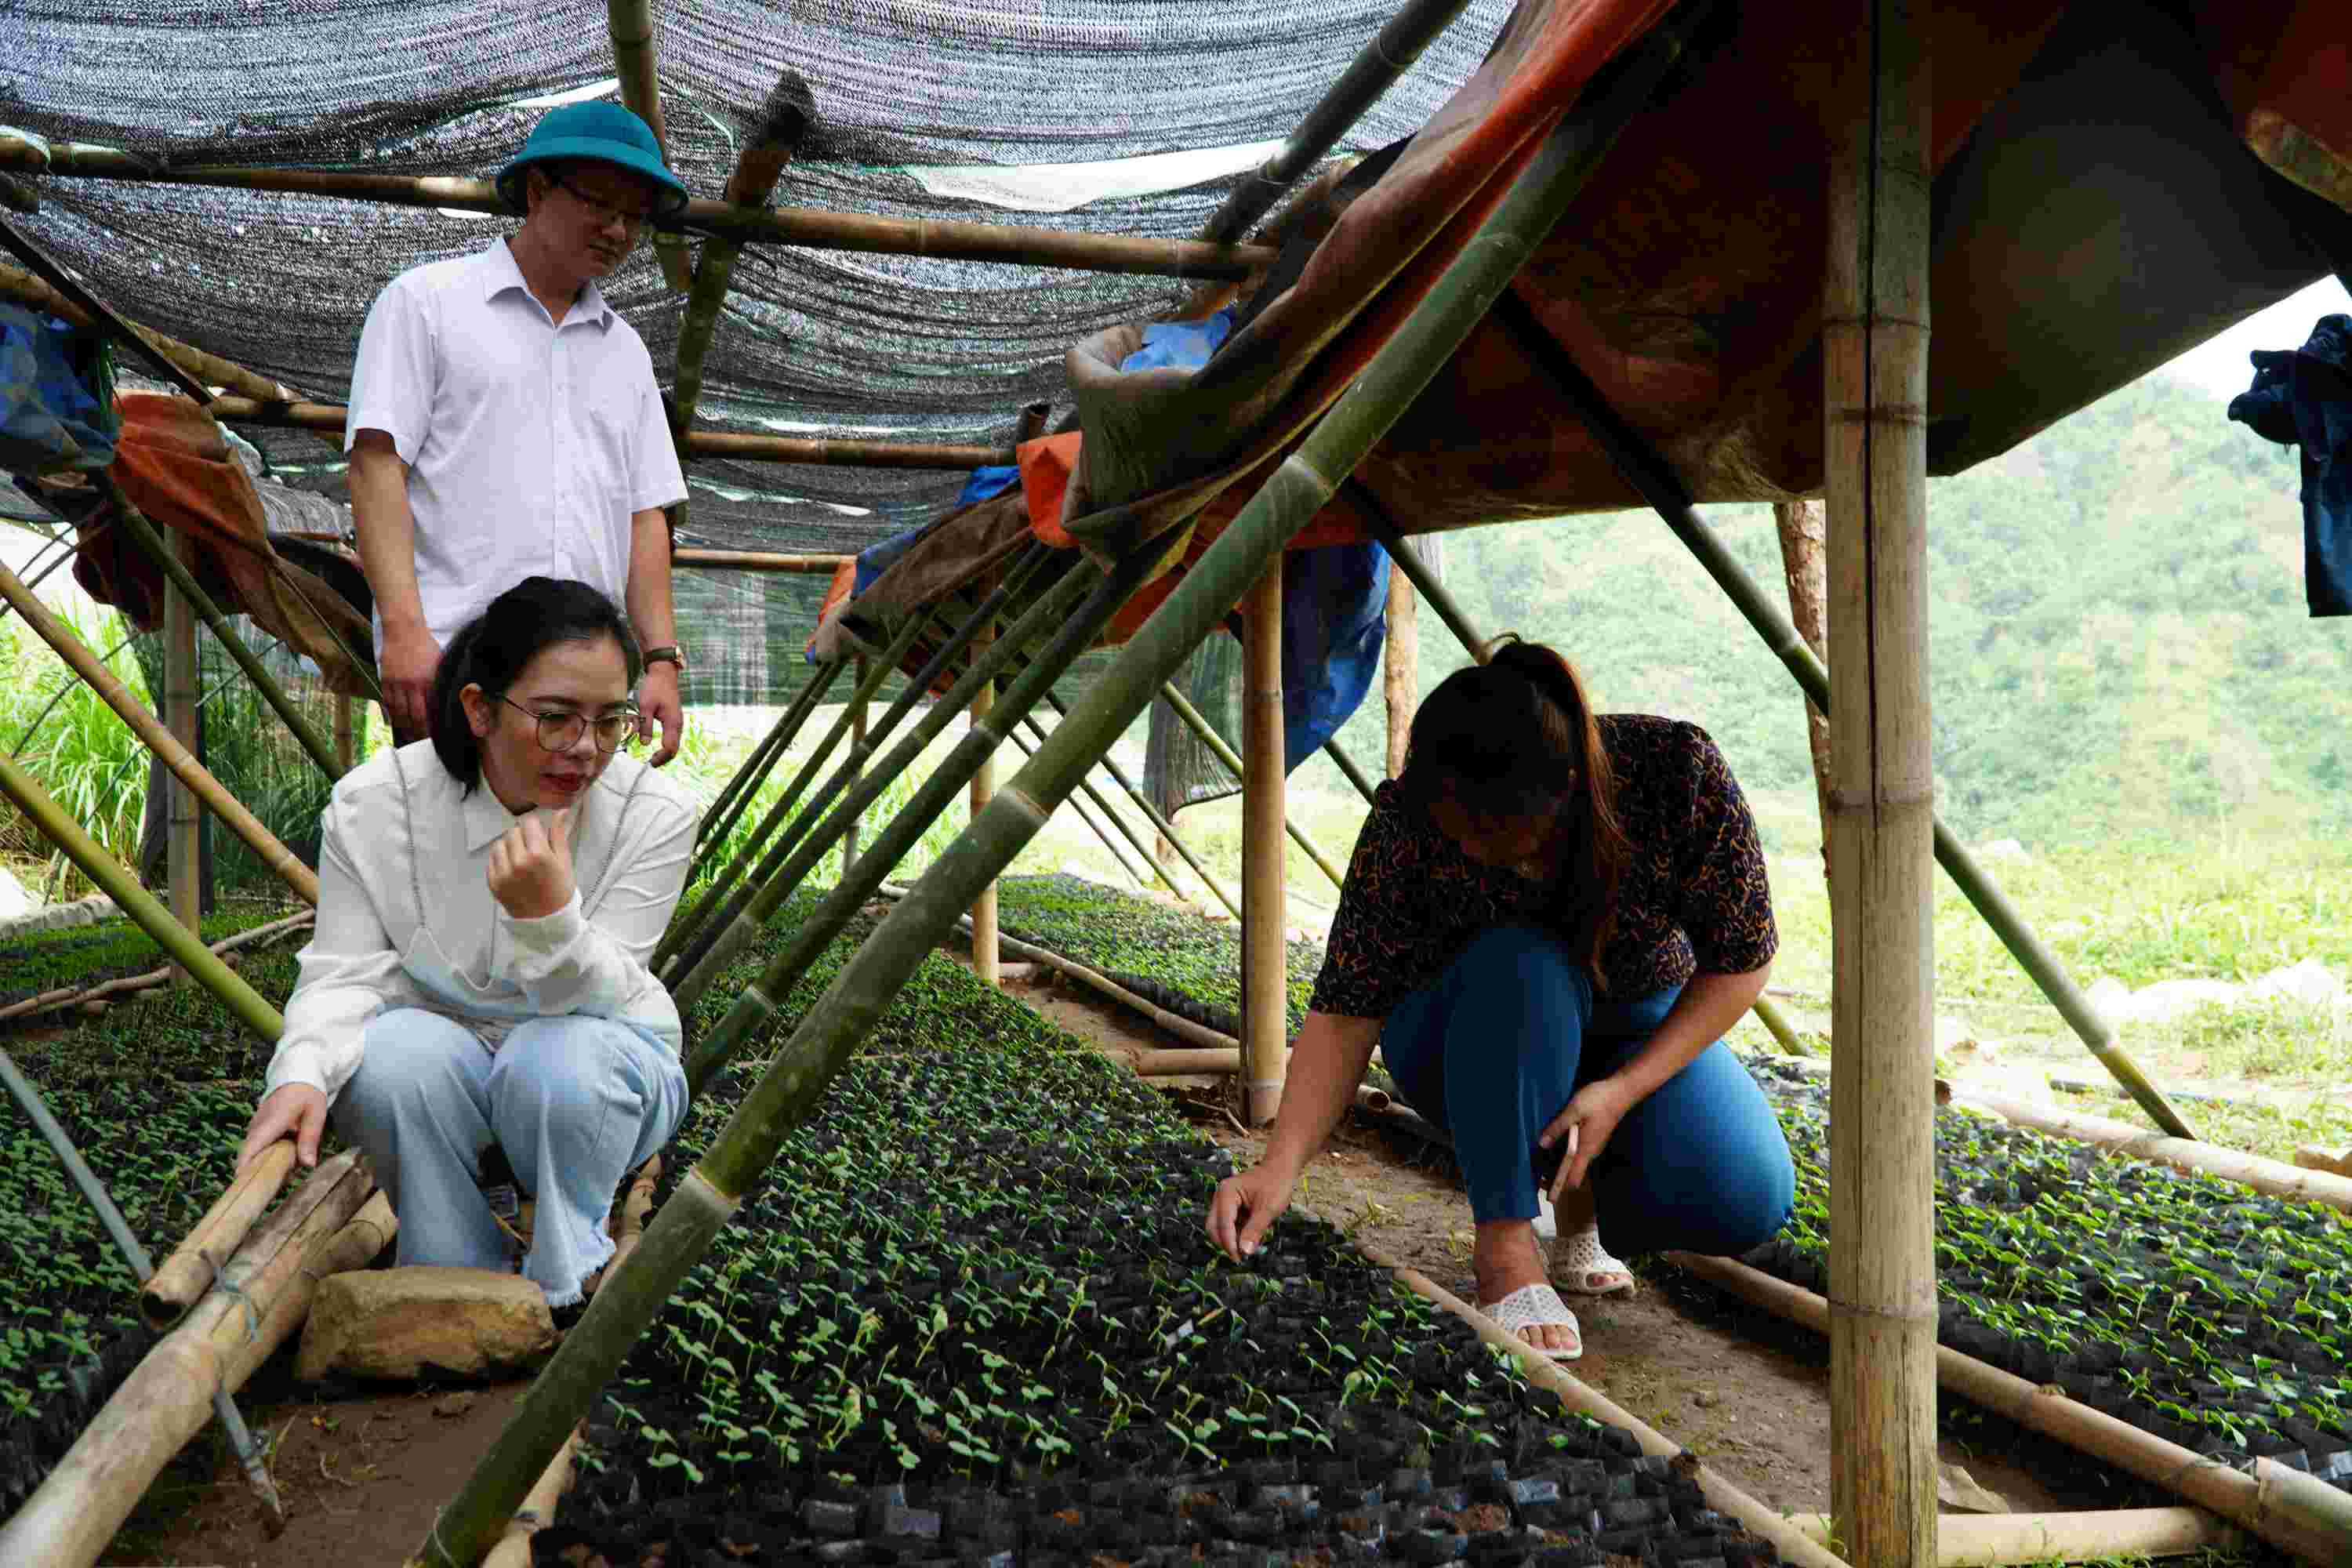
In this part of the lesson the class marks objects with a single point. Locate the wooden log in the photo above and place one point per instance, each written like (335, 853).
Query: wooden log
(1881, 1196)
(1988, 1540)
(168, 1397)
(196, 1262)
(812, 227)
(1266, 953)
(1800, 525)
(2313, 1184)
(1540, 1369)
(538, 1505)
(2292, 1510)
(2311, 1159)
(1401, 666)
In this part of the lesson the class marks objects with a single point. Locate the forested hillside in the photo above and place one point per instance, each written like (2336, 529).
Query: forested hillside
(2119, 640)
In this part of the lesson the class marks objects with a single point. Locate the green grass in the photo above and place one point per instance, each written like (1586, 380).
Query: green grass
(65, 736)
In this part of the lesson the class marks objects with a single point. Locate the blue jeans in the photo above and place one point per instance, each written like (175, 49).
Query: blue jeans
(575, 1102)
(1494, 1047)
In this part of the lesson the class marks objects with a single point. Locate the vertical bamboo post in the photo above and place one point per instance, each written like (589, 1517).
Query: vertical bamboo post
(346, 747)
(856, 752)
(631, 25)
(1401, 666)
(1265, 957)
(1881, 1139)
(184, 839)
(985, 960)
(1799, 523)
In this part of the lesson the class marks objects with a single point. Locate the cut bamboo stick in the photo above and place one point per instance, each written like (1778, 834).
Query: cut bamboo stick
(2315, 1186)
(1165, 829)
(161, 740)
(538, 1511)
(1265, 949)
(196, 1262)
(2297, 1512)
(755, 561)
(168, 1395)
(1401, 666)
(1792, 1543)
(812, 227)
(1992, 1539)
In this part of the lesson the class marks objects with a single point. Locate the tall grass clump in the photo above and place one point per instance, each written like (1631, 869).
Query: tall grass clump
(69, 739)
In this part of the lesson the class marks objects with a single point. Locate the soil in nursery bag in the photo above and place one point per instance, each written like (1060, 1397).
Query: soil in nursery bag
(970, 1316)
(2197, 1310)
(1178, 960)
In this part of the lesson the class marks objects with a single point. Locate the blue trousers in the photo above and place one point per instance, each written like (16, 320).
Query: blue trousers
(575, 1102)
(1493, 1050)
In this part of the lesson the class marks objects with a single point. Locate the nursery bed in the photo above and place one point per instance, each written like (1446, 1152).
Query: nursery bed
(82, 956)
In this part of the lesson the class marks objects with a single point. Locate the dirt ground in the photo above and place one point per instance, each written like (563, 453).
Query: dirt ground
(361, 1476)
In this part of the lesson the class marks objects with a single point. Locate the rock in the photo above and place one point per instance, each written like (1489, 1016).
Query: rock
(2003, 850)
(1955, 1489)
(452, 1405)
(14, 900)
(395, 1322)
(2169, 1001)
(2310, 982)
(1705, 1399)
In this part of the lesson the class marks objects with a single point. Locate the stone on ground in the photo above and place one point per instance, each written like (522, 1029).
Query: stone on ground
(397, 1322)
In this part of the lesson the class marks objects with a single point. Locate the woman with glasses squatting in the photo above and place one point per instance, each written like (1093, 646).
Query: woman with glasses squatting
(489, 902)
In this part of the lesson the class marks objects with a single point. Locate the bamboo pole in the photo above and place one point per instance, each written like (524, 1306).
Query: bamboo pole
(1776, 1022)
(1992, 1539)
(630, 24)
(729, 808)
(1400, 668)
(757, 560)
(629, 1228)
(1266, 951)
(986, 962)
(1754, 1516)
(208, 368)
(1664, 491)
(538, 1511)
(345, 738)
(2276, 1177)
(1078, 803)
(145, 911)
(856, 752)
(2296, 1511)
(161, 740)
(812, 228)
(249, 1456)
(1800, 530)
(68, 1521)
(1198, 724)
(1350, 770)
(782, 123)
(2311, 1158)
(1161, 825)
(1383, 529)
(196, 1262)
(185, 855)
(175, 566)
(1882, 895)
(798, 1072)
(100, 315)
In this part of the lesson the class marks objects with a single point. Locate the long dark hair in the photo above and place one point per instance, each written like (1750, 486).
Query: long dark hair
(495, 646)
(1517, 737)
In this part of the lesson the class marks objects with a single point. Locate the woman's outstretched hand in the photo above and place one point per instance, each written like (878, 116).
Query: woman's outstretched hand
(531, 868)
(1244, 1205)
(1591, 1116)
(295, 1111)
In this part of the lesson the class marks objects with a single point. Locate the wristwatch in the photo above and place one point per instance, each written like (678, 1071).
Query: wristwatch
(665, 654)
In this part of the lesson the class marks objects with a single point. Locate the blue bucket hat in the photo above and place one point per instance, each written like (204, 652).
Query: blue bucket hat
(603, 131)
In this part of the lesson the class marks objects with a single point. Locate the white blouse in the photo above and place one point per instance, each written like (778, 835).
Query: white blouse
(406, 918)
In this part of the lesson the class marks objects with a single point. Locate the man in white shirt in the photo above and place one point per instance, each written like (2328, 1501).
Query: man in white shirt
(505, 421)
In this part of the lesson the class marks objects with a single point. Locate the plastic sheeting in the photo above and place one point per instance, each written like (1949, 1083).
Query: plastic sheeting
(57, 411)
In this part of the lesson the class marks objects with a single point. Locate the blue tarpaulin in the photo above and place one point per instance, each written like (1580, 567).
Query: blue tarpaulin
(56, 409)
(2303, 397)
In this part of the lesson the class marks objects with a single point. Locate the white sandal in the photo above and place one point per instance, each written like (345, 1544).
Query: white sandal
(1577, 1260)
(1536, 1306)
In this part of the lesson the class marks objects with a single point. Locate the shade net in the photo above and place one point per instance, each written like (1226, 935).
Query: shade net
(816, 343)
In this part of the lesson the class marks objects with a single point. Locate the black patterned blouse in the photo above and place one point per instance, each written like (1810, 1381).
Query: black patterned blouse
(1693, 898)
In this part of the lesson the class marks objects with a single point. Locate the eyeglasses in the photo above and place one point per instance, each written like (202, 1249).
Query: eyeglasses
(628, 217)
(560, 731)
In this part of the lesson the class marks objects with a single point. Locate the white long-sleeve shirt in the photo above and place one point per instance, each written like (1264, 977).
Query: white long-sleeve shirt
(406, 918)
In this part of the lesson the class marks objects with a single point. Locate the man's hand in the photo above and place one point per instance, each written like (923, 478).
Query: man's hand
(1244, 1205)
(531, 868)
(658, 703)
(1586, 1122)
(406, 673)
(298, 1110)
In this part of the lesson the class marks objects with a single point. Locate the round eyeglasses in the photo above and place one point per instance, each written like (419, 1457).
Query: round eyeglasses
(560, 731)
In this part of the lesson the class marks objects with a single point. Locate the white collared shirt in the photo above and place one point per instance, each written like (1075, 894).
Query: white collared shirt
(406, 918)
(529, 442)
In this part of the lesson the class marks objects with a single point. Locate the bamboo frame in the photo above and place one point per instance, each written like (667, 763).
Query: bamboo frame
(757, 169)
(1400, 668)
(1265, 949)
(1648, 473)
(100, 315)
(68, 1521)
(736, 798)
(986, 961)
(184, 857)
(208, 368)
(1992, 1539)
(2292, 1510)
(1349, 770)
(812, 227)
(174, 756)
(1195, 720)
(1875, 338)
(1087, 794)
(1160, 823)
(1800, 530)
(630, 24)
(858, 745)
(538, 1509)
(801, 1067)
(196, 1262)
(757, 560)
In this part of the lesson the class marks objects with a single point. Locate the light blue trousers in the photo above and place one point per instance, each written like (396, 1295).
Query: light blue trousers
(573, 1101)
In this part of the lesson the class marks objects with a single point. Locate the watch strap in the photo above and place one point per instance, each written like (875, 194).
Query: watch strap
(667, 653)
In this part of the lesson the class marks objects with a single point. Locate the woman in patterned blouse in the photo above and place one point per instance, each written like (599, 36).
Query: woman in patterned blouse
(1548, 922)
